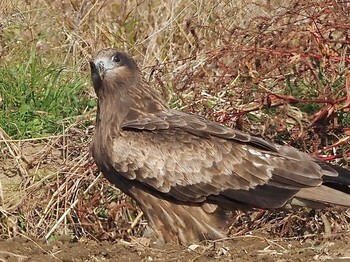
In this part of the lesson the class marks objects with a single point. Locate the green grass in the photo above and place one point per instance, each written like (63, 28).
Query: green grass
(39, 89)
(37, 97)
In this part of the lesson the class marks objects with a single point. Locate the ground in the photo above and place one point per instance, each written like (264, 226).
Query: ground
(245, 248)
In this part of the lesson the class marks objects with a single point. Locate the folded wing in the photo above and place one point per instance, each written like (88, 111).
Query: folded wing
(193, 160)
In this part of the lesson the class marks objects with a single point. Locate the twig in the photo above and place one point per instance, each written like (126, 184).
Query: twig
(70, 208)
(134, 223)
(15, 152)
(49, 253)
(246, 236)
(29, 139)
(13, 254)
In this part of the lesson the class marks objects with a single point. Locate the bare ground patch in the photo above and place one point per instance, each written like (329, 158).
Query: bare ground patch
(245, 248)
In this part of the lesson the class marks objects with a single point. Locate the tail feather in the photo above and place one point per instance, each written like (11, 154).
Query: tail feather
(325, 194)
(343, 176)
(340, 182)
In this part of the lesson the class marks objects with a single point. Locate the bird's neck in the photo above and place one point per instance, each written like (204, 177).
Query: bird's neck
(116, 105)
(110, 112)
(126, 103)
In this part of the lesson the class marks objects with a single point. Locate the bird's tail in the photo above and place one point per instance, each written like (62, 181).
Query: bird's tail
(335, 189)
(340, 182)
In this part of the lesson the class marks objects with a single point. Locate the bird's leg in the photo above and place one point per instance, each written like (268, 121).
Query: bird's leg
(179, 223)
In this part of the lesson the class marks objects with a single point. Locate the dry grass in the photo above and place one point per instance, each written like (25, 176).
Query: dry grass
(278, 71)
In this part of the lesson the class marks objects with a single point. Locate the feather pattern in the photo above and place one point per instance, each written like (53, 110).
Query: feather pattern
(183, 169)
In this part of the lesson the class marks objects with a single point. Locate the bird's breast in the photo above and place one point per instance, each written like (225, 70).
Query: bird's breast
(102, 147)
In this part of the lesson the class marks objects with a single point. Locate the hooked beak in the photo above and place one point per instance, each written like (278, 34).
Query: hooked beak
(98, 69)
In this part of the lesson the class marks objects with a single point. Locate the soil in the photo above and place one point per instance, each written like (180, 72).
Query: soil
(244, 248)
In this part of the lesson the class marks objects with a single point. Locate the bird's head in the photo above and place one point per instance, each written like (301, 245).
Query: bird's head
(120, 87)
(112, 66)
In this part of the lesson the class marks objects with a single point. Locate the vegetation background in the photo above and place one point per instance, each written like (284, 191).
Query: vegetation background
(276, 70)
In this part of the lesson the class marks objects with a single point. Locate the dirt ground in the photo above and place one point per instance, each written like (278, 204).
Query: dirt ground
(244, 248)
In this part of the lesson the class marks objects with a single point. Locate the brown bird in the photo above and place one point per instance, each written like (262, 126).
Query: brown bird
(182, 169)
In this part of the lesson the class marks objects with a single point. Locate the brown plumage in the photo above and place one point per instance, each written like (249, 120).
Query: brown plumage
(183, 170)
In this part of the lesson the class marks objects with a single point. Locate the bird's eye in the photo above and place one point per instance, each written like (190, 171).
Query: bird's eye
(116, 59)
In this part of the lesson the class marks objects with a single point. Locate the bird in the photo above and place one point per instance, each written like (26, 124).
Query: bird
(184, 171)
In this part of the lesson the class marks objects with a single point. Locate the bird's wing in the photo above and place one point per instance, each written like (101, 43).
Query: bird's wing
(193, 160)
(193, 124)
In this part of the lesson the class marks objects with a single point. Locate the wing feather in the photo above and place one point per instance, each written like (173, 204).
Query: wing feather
(192, 159)
(192, 124)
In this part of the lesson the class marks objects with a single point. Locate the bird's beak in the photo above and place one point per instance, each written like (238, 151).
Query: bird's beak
(98, 69)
